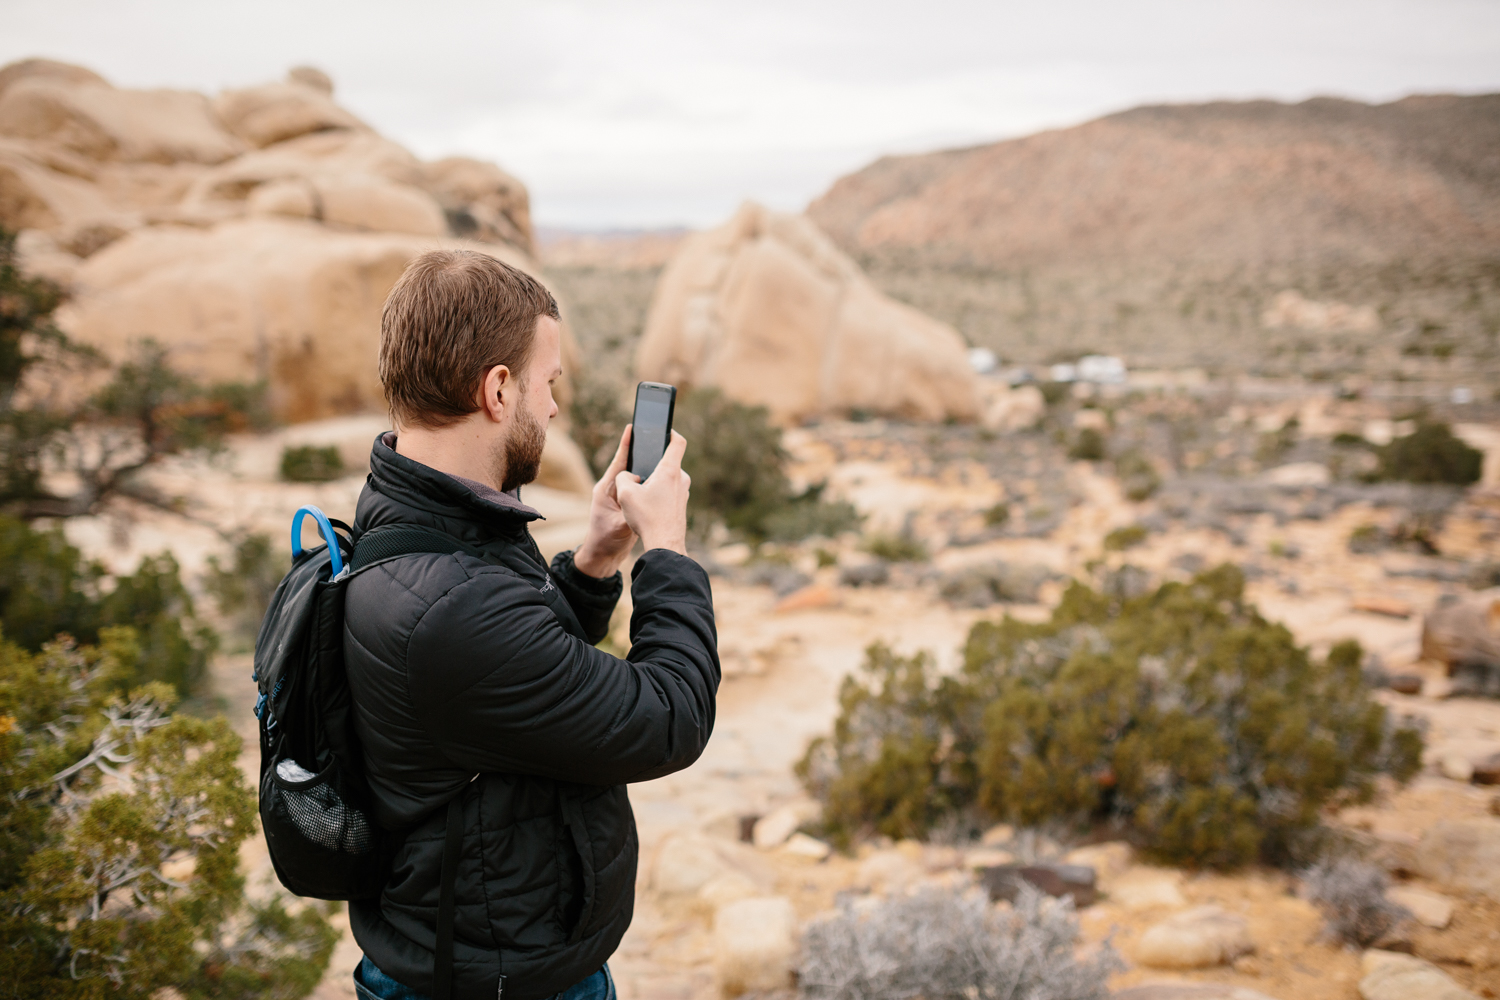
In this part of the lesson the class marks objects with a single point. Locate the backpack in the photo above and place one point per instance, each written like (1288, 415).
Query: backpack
(315, 804)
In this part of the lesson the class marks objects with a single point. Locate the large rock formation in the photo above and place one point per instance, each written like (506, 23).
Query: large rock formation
(255, 235)
(767, 310)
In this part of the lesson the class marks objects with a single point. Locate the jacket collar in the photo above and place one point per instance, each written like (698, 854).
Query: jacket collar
(426, 488)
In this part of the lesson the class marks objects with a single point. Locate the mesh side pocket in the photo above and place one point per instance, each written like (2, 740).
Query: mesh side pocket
(325, 819)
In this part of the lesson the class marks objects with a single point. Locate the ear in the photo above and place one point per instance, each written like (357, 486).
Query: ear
(497, 393)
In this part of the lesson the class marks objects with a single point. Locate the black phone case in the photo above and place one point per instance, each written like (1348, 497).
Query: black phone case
(671, 415)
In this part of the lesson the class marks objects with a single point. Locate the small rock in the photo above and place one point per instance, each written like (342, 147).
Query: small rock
(995, 836)
(1463, 853)
(1195, 939)
(1430, 908)
(1405, 683)
(1487, 771)
(1079, 881)
(800, 845)
(1456, 766)
(809, 598)
(755, 945)
(1392, 976)
(1146, 889)
(773, 829)
(1108, 859)
(867, 575)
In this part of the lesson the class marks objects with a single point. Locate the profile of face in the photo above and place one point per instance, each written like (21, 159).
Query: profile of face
(518, 454)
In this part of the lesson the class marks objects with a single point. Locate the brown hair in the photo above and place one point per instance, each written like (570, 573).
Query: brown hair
(452, 316)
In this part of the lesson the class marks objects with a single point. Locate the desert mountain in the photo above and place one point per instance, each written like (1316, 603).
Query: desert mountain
(1248, 183)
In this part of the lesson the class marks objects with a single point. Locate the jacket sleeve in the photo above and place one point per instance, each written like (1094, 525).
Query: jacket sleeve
(593, 600)
(499, 686)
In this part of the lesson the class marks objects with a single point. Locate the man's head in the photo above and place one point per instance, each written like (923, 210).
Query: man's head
(470, 346)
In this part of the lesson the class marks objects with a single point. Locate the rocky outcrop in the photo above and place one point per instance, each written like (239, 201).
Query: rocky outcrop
(765, 309)
(255, 234)
(1465, 632)
(1195, 939)
(1462, 853)
(1389, 975)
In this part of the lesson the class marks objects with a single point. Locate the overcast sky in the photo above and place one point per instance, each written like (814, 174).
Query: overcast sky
(655, 113)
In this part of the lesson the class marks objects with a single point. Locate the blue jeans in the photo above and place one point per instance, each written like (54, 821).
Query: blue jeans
(372, 984)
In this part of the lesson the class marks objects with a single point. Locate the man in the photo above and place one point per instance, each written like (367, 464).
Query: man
(474, 675)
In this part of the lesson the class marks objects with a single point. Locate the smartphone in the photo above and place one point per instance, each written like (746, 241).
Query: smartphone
(651, 427)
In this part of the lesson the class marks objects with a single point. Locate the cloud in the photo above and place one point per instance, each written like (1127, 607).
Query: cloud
(661, 112)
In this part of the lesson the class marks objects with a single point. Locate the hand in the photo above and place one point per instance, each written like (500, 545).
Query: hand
(609, 537)
(657, 509)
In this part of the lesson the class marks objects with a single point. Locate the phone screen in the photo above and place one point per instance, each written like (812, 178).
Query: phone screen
(652, 426)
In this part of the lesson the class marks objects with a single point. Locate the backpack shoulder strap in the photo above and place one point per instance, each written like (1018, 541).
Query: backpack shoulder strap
(392, 540)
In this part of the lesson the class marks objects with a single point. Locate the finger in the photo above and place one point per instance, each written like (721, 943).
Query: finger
(622, 454)
(624, 479)
(672, 457)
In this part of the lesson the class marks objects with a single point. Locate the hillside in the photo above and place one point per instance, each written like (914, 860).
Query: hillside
(1160, 230)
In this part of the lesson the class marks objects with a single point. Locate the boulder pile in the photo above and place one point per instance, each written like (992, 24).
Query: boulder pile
(765, 309)
(254, 234)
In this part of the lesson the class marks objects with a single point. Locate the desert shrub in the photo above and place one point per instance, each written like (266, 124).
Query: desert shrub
(243, 589)
(109, 886)
(1180, 714)
(47, 588)
(942, 944)
(808, 515)
(895, 546)
(739, 475)
(1124, 538)
(598, 417)
(888, 767)
(997, 515)
(1138, 476)
(1055, 392)
(143, 413)
(311, 463)
(1088, 446)
(1430, 454)
(1351, 894)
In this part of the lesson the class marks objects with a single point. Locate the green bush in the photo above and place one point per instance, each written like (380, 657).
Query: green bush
(1138, 476)
(243, 590)
(311, 464)
(1430, 454)
(115, 888)
(1124, 538)
(738, 467)
(997, 515)
(1180, 715)
(895, 547)
(1088, 446)
(47, 588)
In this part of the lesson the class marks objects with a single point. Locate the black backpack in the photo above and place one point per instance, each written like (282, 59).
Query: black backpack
(315, 804)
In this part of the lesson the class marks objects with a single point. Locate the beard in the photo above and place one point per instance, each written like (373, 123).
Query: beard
(518, 460)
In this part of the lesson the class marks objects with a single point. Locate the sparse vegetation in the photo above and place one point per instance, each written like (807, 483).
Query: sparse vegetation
(243, 590)
(899, 546)
(1088, 446)
(1124, 538)
(942, 944)
(1351, 894)
(1180, 714)
(739, 475)
(1138, 477)
(1430, 454)
(311, 464)
(144, 412)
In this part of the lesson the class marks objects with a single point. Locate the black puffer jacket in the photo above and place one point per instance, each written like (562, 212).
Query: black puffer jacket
(461, 667)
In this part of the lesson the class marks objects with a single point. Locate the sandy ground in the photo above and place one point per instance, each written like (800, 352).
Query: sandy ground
(783, 669)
